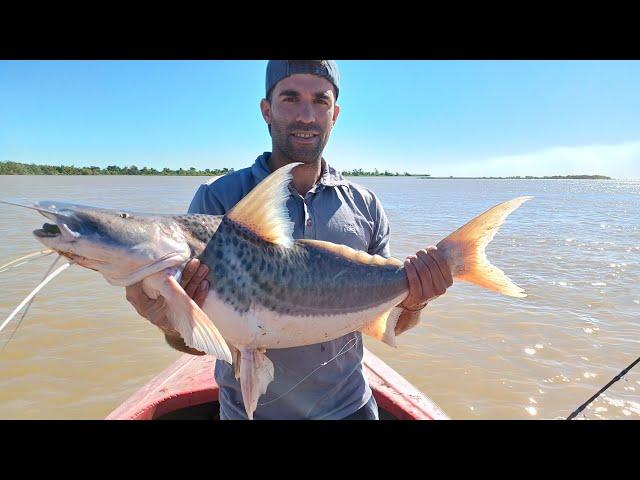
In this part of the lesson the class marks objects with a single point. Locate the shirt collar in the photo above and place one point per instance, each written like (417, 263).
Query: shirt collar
(329, 176)
(260, 168)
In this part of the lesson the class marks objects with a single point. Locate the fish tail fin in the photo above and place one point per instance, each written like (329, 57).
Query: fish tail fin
(464, 250)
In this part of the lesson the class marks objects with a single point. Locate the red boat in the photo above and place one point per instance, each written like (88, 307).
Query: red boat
(187, 390)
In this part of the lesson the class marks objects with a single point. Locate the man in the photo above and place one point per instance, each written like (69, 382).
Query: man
(323, 381)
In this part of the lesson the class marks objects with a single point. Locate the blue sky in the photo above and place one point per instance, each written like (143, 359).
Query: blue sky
(461, 118)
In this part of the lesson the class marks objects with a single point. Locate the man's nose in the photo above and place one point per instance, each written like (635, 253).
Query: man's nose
(306, 113)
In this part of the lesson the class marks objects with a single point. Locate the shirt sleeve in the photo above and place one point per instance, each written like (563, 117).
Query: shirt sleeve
(381, 231)
(205, 201)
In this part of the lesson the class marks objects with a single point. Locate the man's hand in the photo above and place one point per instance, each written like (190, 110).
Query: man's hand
(429, 277)
(194, 284)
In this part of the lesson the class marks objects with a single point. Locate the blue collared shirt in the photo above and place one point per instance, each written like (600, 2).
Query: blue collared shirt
(335, 210)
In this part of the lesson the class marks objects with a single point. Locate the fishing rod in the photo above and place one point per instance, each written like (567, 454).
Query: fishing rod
(614, 380)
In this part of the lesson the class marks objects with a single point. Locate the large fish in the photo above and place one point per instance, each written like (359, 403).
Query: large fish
(266, 290)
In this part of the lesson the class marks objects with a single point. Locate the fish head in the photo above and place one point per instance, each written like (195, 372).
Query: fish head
(123, 246)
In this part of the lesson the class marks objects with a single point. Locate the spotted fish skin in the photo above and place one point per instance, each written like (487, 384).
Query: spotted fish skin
(198, 229)
(247, 271)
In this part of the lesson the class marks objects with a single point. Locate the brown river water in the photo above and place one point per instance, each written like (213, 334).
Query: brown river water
(575, 248)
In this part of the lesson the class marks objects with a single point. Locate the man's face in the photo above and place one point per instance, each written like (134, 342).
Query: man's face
(301, 113)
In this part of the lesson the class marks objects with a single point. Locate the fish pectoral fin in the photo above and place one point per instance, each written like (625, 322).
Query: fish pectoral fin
(383, 326)
(256, 373)
(195, 327)
(263, 210)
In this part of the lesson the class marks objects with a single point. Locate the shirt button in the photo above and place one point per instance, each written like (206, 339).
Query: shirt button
(309, 223)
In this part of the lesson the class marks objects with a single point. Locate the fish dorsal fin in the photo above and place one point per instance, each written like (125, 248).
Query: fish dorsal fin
(349, 253)
(263, 210)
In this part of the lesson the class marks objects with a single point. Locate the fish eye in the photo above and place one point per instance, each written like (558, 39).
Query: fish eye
(124, 215)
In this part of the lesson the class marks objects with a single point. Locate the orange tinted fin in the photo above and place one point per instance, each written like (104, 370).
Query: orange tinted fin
(383, 327)
(464, 250)
(263, 210)
(349, 253)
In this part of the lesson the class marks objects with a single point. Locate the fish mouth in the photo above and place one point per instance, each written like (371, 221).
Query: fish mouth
(47, 230)
(50, 230)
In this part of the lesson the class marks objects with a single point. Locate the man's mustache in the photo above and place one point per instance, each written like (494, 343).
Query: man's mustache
(304, 128)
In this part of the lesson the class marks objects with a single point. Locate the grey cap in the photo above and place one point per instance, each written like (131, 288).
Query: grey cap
(279, 69)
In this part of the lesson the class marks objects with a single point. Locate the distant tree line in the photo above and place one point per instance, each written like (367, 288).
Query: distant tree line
(358, 172)
(15, 168)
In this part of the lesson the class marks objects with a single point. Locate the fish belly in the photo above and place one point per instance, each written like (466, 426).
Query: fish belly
(260, 327)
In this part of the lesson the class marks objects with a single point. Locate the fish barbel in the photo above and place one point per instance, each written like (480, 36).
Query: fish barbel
(266, 290)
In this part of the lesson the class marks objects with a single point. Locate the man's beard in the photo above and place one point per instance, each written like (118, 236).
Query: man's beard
(284, 141)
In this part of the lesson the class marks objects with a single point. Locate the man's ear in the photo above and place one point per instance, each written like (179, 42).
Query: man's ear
(265, 108)
(336, 112)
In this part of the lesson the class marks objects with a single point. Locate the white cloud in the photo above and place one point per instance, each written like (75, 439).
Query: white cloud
(619, 161)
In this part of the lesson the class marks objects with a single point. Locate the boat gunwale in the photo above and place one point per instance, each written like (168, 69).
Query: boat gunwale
(189, 382)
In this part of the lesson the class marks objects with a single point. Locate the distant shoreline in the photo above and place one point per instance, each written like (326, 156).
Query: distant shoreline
(528, 177)
(554, 177)
(15, 168)
(200, 174)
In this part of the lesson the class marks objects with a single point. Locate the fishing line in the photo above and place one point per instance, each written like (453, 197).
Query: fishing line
(10, 265)
(51, 276)
(29, 304)
(614, 380)
(323, 364)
